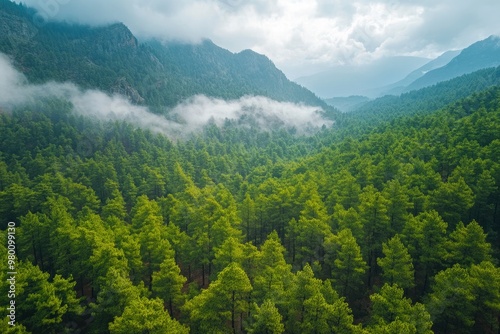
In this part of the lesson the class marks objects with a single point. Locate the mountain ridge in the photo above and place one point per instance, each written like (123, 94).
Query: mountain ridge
(111, 58)
(398, 87)
(451, 64)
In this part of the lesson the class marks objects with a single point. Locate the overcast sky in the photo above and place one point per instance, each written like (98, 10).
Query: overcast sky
(300, 36)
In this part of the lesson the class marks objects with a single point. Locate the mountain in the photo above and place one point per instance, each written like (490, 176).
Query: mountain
(360, 79)
(112, 59)
(482, 54)
(398, 87)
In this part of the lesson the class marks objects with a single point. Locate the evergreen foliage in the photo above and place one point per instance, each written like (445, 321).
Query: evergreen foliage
(298, 244)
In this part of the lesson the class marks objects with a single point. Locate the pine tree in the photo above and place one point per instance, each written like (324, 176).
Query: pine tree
(267, 319)
(350, 219)
(398, 206)
(145, 315)
(231, 251)
(273, 273)
(346, 191)
(115, 294)
(248, 218)
(221, 303)
(44, 304)
(452, 301)
(468, 245)
(115, 206)
(452, 200)
(397, 266)
(373, 213)
(425, 237)
(348, 266)
(168, 283)
(312, 229)
(391, 312)
(486, 287)
(314, 307)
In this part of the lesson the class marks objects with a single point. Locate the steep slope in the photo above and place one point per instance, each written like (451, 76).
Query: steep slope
(111, 58)
(482, 54)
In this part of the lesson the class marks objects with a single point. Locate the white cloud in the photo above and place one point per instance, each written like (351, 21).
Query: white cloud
(299, 35)
(264, 112)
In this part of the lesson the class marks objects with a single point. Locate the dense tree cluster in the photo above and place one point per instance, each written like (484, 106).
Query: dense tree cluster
(394, 230)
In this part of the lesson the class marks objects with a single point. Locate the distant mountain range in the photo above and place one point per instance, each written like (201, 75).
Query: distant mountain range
(347, 81)
(482, 54)
(400, 86)
(363, 79)
(112, 59)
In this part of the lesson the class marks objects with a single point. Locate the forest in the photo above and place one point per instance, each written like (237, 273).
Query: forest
(386, 228)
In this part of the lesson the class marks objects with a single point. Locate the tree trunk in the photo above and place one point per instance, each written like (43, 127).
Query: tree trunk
(232, 313)
(370, 268)
(203, 275)
(170, 307)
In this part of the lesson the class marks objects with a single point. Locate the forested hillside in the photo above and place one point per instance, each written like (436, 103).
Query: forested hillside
(119, 230)
(419, 102)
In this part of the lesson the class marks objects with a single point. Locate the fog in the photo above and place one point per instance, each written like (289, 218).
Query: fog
(267, 114)
(191, 115)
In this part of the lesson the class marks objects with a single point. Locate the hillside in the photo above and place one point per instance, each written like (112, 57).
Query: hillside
(422, 101)
(111, 58)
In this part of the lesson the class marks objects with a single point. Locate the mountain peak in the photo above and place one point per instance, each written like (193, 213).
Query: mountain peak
(494, 40)
(491, 41)
(118, 35)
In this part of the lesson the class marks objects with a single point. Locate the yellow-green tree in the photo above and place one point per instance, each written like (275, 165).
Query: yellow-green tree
(397, 266)
(224, 302)
(144, 315)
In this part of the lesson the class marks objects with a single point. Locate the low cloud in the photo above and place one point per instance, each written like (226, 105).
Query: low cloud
(261, 111)
(15, 91)
(191, 115)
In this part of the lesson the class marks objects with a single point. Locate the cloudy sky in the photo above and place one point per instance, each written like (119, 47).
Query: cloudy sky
(300, 36)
